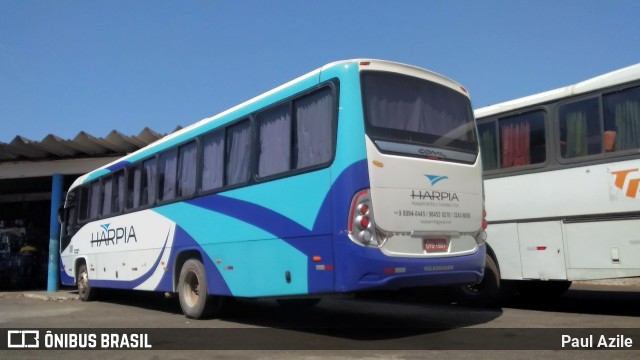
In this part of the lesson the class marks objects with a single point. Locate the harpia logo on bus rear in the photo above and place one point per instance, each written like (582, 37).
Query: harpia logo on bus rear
(631, 186)
(434, 179)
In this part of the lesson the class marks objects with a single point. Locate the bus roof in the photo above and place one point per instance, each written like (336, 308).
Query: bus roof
(613, 78)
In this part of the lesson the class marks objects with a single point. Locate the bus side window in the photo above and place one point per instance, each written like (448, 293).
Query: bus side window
(275, 141)
(107, 193)
(83, 203)
(622, 120)
(488, 145)
(314, 142)
(238, 153)
(95, 194)
(580, 129)
(134, 177)
(522, 139)
(212, 174)
(187, 165)
(117, 198)
(148, 182)
(167, 169)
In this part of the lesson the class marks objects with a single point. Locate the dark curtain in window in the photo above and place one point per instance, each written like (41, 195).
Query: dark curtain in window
(187, 169)
(275, 141)
(314, 129)
(238, 153)
(167, 174)
(213, 161)
(148, 182)
(516, 146)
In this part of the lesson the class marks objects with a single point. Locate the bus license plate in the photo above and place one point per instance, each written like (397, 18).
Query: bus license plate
(436, 245)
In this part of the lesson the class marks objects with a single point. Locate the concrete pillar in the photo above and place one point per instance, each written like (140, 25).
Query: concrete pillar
(53, 279)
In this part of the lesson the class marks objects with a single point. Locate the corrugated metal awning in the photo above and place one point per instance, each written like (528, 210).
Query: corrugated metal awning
(53, 147)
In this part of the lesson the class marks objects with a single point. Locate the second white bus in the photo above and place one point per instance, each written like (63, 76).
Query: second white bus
(562, 175)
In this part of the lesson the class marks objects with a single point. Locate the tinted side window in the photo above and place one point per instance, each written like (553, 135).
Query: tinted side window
(238, 153)
(314, 140)
(95, 195)
(275, 141)
(212, 174)
(148, 182)
(134, 177)
(580, 129)
(167, 174)
(107, 193)
(117, 200)
(622, 120)
(513, 141)
(522, 139)
(83, 203)
(488, 145)
(187, 166)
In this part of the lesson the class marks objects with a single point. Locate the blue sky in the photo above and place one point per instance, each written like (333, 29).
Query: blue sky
(71, 66)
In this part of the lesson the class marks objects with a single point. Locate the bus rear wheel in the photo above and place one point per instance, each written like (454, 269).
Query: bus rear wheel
(485, 293)
(195, 301)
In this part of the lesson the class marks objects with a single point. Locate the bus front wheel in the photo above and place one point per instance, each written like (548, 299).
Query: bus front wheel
(85, 291)
(195, 301)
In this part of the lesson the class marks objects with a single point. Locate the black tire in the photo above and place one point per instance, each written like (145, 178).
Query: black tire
(195, 301)
(85, 291)
(487, 292)
(298, 304)
(543, 289)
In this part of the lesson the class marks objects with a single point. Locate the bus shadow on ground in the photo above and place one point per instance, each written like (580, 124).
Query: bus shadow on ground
(617, 301)
(368, 316)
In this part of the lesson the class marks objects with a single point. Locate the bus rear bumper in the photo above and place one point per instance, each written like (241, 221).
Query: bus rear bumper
(381, 272)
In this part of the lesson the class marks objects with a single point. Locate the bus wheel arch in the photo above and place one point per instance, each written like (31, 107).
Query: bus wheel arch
(487, 292)
(85, 291)
(192, 288)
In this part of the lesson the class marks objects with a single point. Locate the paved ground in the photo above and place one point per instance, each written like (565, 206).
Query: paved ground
(378, 316)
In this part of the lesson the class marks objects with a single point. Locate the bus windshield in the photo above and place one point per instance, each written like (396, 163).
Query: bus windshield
(408, 115)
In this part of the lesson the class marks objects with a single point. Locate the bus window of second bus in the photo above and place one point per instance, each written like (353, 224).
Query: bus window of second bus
(622, 120)
(580, 129)
(520, 138)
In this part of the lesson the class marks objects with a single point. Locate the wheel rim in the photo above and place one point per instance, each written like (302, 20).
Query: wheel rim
(191, 289)
(83, 282)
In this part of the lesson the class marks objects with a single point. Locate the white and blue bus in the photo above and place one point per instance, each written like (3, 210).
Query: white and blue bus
(360, 175)
(562, 170)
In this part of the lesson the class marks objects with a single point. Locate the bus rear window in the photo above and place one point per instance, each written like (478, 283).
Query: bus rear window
(404, 113)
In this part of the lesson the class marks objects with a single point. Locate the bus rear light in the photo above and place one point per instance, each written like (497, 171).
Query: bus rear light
(484, 219)
(361, 221)
(391, 271)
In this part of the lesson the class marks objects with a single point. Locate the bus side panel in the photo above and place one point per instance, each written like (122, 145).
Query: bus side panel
(503, 240)
(594, 254)
(263, 239)
(542, 250)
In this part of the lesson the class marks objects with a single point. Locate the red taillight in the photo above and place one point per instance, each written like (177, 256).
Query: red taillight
(361, 226)
(354, 206)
